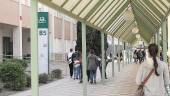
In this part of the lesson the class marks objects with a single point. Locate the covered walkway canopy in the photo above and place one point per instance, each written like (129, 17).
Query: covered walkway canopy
(116, 17)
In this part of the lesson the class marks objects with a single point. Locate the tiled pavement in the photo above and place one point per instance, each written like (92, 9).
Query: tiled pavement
(123, 84)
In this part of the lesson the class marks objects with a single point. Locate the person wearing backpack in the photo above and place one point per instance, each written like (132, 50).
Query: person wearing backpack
(70, 62)
(153, 75)
(76, 63)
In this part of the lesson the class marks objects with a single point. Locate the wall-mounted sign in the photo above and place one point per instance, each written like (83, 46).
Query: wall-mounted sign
(43, 57)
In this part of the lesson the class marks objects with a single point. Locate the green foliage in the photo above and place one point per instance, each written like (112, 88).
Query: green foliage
(12, 74)
(93, 38)
(57, 73)
(23, 63)
(43, 78)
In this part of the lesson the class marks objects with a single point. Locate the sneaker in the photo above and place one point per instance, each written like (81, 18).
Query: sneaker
(94, 81)
(81, 81)
(91, 82)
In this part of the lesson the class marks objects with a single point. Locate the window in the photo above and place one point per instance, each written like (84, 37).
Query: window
(58, 28)
(67, 30)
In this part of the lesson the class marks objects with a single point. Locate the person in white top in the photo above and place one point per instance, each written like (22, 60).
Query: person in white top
(158, 83)
(70, 62)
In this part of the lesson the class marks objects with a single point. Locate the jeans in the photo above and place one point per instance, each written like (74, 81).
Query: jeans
(92, 75)
(77, 72)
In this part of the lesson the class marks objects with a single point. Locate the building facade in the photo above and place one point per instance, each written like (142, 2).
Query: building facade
(62, 31)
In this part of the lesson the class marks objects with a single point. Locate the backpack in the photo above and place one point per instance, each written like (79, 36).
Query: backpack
(140, 54)
(75, 56)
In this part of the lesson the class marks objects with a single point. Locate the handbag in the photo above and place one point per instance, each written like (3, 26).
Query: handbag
(140, 91)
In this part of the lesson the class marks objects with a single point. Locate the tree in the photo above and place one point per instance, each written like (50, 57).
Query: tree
(93, 39)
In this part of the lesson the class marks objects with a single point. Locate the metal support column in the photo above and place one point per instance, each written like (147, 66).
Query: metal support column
(103, 57)
(34, 48)
(123, 51)
(158, 42)
(84, 61)
(156, 38)
(113, 54)
(128, 53)
(164, 33)
(168, 40)
(118, 60)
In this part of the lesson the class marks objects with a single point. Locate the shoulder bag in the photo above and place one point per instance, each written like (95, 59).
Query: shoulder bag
(140, 91)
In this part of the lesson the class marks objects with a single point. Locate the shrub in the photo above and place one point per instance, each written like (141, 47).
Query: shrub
(1, 86)
(12, 74)
(56, 73)
(23, 63)
(43, 78)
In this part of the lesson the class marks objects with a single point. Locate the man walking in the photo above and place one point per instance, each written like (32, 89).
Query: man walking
(70, 62)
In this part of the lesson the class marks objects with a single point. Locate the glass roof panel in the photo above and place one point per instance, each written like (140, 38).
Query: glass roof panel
(88, 8)
(116, 27)
(161, 5)
(109, 15)
(80, 6)
(166, 3)
(101, 11)
(97, 10)
(58, 2)
(123, 7)
(113, 23)
(154, 16)
(116, 24)
(108, 11)
(70, 4)
(123, 29)
(157, 6)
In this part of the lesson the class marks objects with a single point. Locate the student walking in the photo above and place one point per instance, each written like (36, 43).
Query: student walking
(92, 66)
(158, 82)
(70, 62)
(76, 66)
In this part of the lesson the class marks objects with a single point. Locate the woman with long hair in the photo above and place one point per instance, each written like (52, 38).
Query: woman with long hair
(158, 82)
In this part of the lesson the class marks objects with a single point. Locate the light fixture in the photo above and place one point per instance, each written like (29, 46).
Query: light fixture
(128, 15)
(137, 36)
(135, 30)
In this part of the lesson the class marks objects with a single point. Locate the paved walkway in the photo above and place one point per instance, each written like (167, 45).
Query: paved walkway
(123, 84)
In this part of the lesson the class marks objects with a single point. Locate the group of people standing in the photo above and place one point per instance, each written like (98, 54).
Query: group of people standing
(75, 65)
(139, 56)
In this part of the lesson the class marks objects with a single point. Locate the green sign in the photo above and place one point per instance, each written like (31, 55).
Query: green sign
(42, 19)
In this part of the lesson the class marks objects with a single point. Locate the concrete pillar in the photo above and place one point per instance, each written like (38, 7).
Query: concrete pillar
(164, 33)
(17, 43)
(1, 46)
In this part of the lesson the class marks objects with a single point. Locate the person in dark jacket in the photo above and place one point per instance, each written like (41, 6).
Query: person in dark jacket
(92, 66)
(76, 66)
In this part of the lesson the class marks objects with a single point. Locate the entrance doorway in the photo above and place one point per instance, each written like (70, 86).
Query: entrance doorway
(7, 47)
